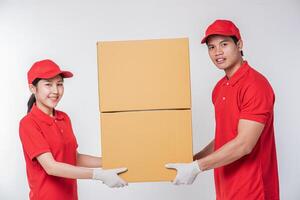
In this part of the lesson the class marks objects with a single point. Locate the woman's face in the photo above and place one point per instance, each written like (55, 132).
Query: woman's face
(48, 93)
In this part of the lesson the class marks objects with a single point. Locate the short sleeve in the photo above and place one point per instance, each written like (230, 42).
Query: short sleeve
(32, 140)
(257, 102)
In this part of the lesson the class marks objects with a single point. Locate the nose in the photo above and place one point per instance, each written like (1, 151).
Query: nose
(54, 89)
(218, 51)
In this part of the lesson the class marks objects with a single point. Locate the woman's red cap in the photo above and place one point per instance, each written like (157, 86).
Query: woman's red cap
(46, 69)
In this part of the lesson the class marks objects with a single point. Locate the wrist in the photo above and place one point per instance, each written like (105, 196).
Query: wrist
(198, 166)
(97, 174)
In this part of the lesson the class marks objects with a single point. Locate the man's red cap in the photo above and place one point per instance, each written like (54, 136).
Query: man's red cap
(222, 27)
(46, 69)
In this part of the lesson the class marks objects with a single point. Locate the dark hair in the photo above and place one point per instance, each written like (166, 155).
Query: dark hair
(32, 99)
(235, 40)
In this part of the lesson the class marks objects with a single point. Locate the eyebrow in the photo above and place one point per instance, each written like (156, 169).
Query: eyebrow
(225, 40)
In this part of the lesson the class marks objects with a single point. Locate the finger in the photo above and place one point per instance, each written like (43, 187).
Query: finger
(123, 182)
(119, 185)
(116, 185)
(120, 170)
(171, 165)
(191, 181)
(176, 182)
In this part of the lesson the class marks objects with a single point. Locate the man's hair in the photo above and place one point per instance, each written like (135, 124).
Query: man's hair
(235, 40)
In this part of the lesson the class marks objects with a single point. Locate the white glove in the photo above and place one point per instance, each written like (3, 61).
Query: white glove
(186, 172)
(110, 176)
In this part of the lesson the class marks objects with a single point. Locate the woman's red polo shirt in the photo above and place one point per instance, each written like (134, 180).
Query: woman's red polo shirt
(40, 133)
(246, 95)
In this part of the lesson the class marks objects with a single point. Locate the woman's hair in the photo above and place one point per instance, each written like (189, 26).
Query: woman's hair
(32, 99)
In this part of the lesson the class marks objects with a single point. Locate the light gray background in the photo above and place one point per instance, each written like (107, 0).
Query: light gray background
(67, 31)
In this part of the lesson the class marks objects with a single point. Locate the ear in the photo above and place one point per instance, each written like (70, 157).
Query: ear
(240, 45)
(32, 88)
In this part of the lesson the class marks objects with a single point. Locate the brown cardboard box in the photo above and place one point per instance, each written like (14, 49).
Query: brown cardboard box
(143, 75)
(144, 93)
(145, 141)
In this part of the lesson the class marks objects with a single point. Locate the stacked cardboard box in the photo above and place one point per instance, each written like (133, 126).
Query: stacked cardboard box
(145, 105)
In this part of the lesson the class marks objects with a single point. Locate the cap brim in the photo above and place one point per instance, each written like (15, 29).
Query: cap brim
(204, 39)
(66, 74)
(215, 33)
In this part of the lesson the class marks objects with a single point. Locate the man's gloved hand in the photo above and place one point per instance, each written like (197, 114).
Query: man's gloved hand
(110, 176)
(186, 172)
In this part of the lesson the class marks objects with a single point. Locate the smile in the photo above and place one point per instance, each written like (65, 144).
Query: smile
(220, 60)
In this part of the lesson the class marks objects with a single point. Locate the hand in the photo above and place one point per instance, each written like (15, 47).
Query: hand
(186, 172)
(110, 176)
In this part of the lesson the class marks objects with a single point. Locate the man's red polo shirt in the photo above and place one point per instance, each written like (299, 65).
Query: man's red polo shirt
(40, 133)
(246, 95)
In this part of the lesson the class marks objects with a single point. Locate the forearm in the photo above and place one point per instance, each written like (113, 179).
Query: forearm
(246, 139)
(88, 161)
(206, 151)
(227, 154)
(69, 171)
(59, 169)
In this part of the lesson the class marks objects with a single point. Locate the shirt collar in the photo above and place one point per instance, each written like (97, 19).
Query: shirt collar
(238, 74)
(44, 117)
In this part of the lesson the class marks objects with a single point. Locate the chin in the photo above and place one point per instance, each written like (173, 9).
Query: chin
(221, 67)
(52, 105)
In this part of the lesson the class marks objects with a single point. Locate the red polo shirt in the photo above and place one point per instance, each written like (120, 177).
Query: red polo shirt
(246, 95)
(40, 133)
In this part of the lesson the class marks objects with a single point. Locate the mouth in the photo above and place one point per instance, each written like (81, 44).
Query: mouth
(220, 60)
(54, 98)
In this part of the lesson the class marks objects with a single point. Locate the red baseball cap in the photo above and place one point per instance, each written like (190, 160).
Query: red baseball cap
(46, 69)
(222, 27)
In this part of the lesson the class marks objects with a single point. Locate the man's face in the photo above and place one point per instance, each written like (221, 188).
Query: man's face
(224, 53)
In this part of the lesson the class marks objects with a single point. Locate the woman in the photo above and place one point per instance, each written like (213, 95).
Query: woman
(50, 148)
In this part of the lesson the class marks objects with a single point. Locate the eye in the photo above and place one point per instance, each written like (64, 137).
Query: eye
(224, 44)
(48, 84)
(210, 47)
(60, 84)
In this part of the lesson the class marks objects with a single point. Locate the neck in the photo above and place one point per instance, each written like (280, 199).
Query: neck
(231, 70)
(45, 109)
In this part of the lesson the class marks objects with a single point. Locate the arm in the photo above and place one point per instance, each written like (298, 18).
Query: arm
(206, 151)
(60, 169)
(52, 167)
(88, 161)
(248, 135)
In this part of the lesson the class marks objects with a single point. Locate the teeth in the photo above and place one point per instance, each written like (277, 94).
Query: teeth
(220, 59)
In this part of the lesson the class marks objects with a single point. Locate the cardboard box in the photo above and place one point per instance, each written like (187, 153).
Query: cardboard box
(145, 101)
(145, 141)
(143, 75)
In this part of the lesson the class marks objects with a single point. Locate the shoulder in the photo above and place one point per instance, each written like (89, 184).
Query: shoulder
(256, 88)
(63, 115)
(257, 81)
(27, 120)
(28, 127)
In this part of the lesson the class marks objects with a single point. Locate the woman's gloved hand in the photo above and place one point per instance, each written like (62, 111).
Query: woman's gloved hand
(110, 176)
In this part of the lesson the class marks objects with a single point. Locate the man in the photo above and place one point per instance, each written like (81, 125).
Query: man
(243, 153)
